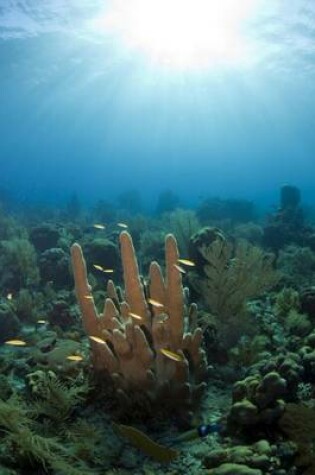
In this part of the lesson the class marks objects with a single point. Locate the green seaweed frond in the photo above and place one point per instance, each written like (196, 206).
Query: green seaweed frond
(23, 446)
(87, 441)
(34, 447)
(13, 414)
(65, 467)
(48, 452)
(57, 400)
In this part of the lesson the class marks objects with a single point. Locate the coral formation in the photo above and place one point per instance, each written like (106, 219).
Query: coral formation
(244, 460)
(257, 401)
(54, 266)
(44, 236)
(134, 329)
(298, 423)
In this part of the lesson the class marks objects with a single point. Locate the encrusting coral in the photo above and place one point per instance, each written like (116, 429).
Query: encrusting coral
(140, 322)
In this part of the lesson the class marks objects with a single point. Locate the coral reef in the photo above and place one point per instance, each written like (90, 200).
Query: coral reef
(127, 387)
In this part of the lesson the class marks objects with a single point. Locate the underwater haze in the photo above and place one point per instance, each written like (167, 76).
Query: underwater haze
(84, 111)
(157, 237)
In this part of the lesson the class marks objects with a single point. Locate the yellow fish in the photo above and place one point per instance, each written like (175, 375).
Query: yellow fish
(186, 262)
(88, 297)
(97, 340)
(75, 358)
(180, 269)
(10, 296)
(15, 342)
(98, 226)
(42, 321)
(97, 267)
(135, 316)
(171, 355)
(100, 268)
(122, 225)
(155, 303)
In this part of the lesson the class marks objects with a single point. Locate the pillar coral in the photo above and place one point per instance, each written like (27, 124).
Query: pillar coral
(131, 349)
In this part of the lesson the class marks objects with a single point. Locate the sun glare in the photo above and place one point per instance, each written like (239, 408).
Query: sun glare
(184, 34)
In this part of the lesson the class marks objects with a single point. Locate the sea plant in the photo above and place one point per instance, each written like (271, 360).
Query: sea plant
(183, 223)
(54, 399)
(23, 445)
(233, 274)
(27, 441)
(18, 258)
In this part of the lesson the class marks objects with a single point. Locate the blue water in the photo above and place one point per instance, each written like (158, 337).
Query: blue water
(79, 113)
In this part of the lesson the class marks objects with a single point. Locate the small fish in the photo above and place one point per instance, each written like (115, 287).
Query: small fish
(98, 226)
(15, 342)
(135, 316)
(122, 225)
(88, 297)
(162, 318)
(171, 355)
(75, 358)
(186, 262)
(180, 269)
(10, 296)
(43, 322)
(97, 340)
(98, 267)
(155, 303)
